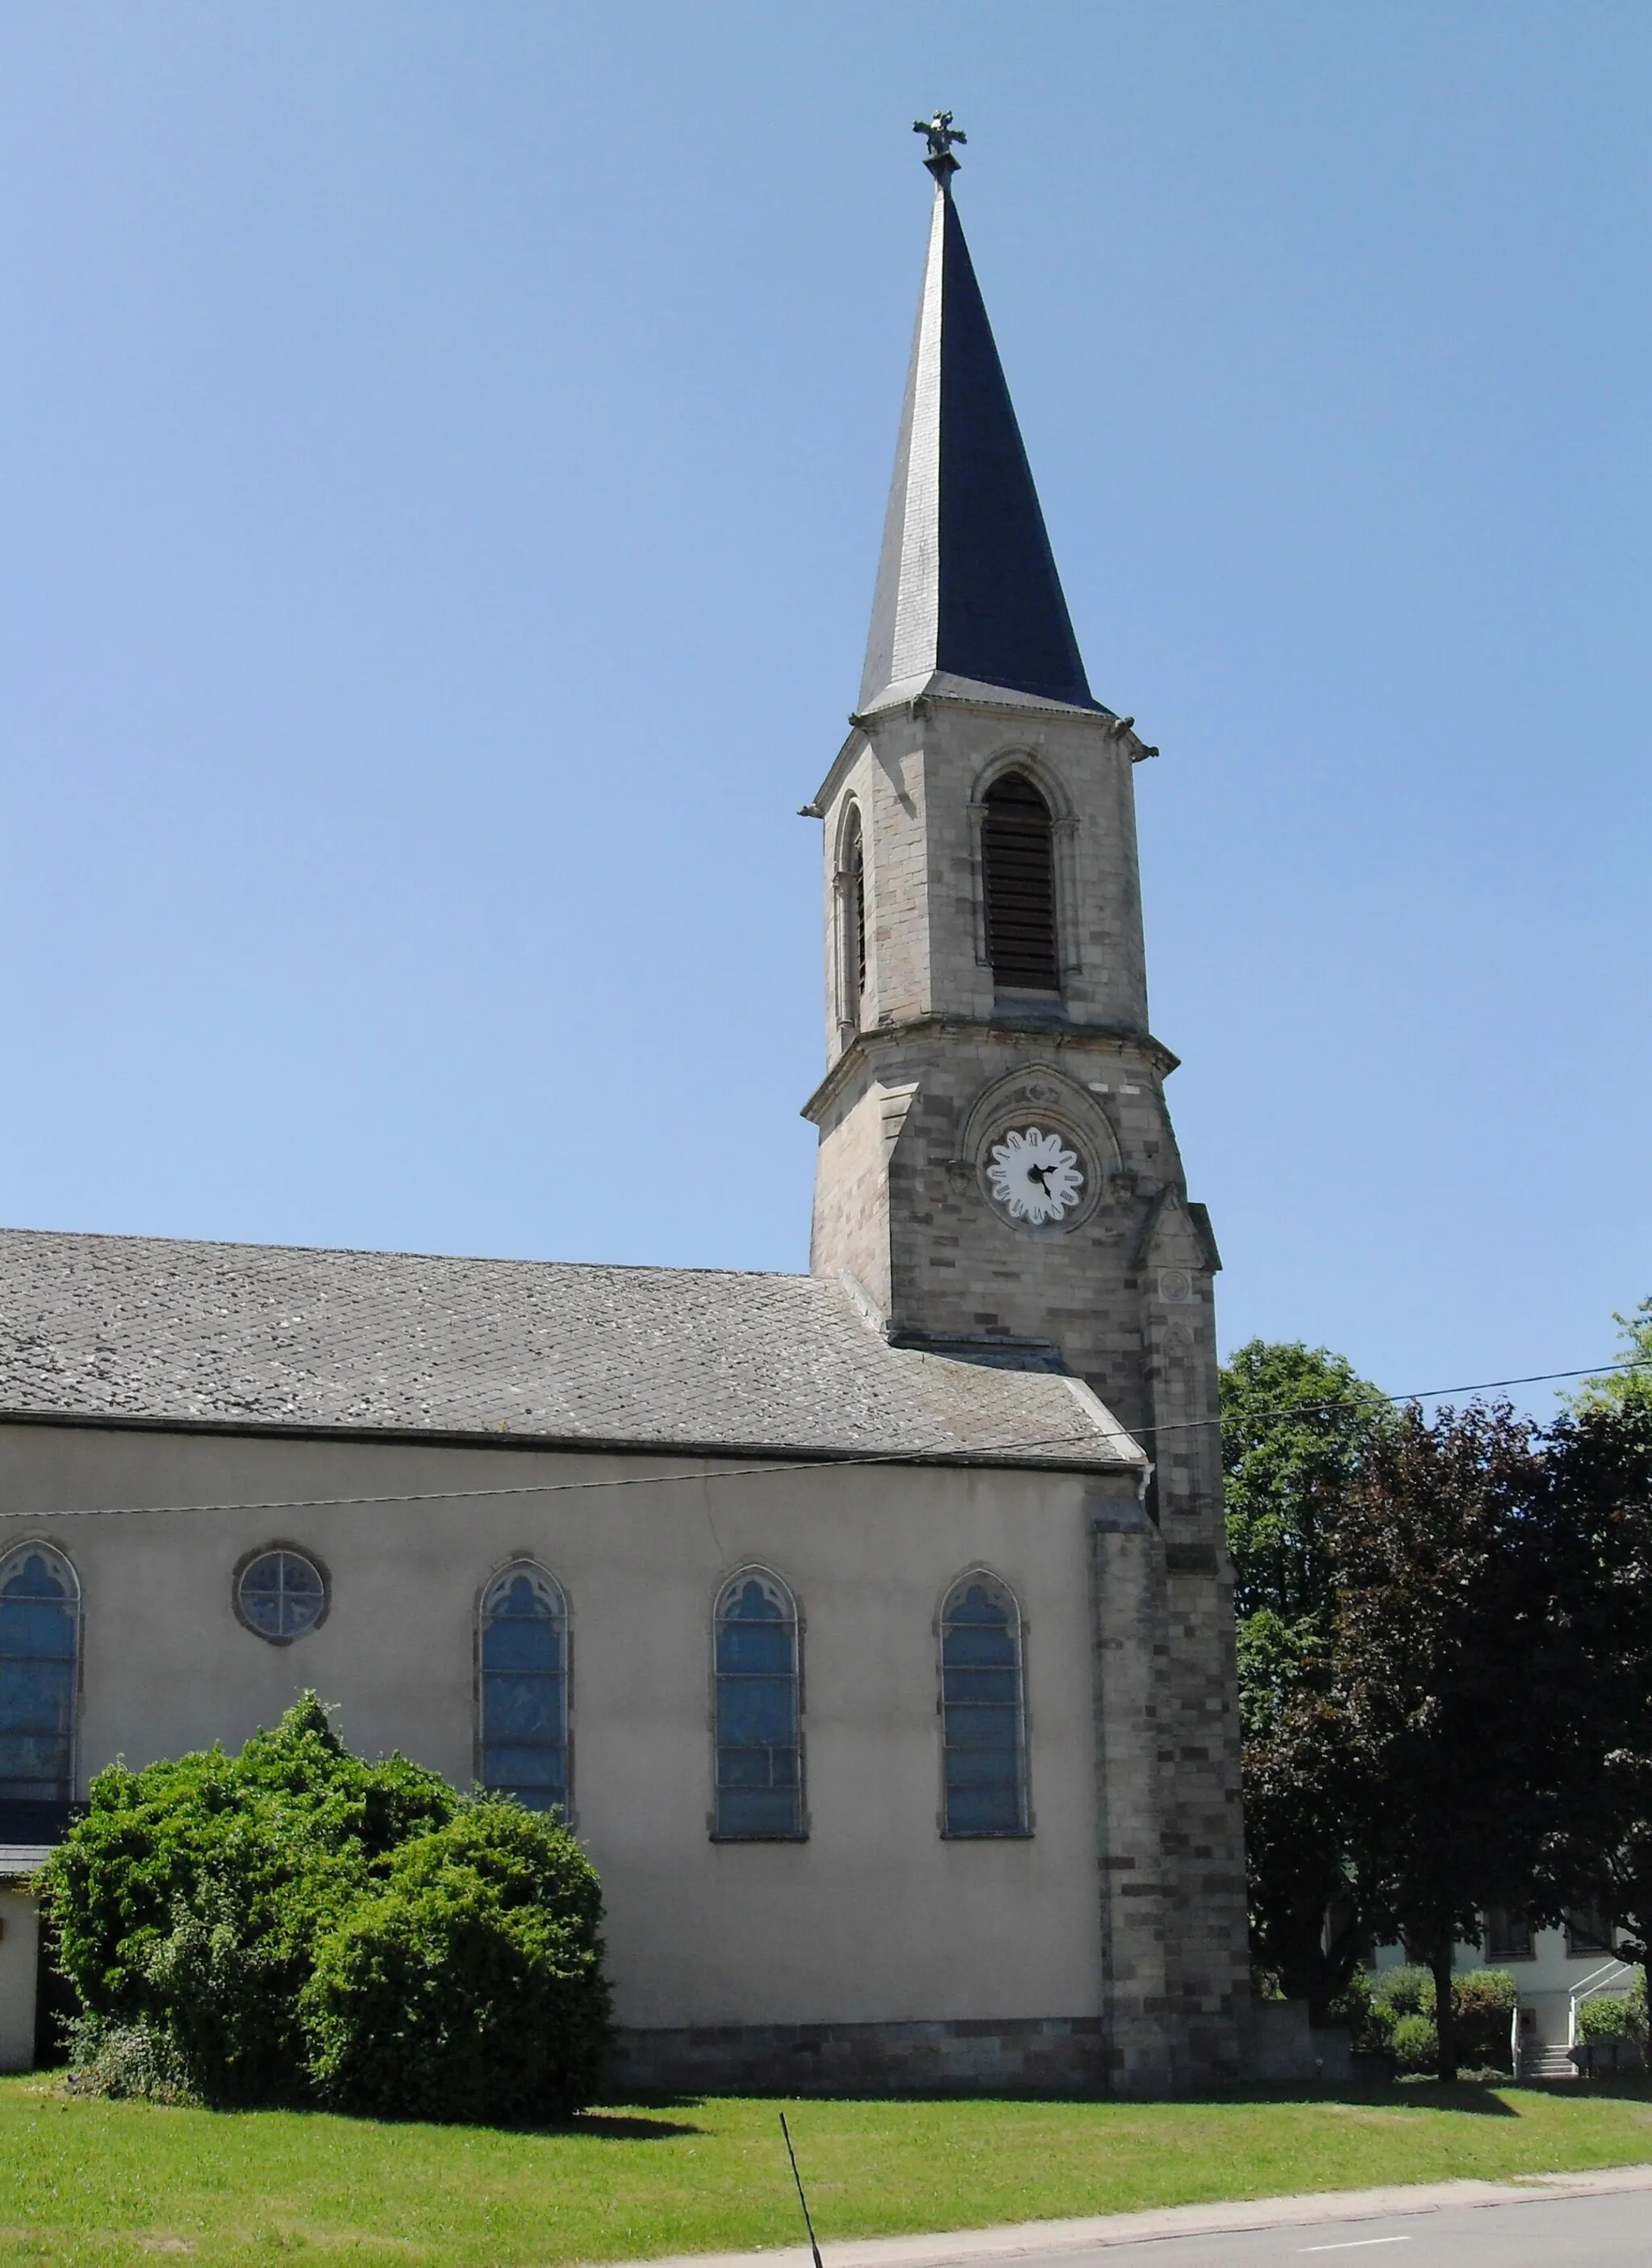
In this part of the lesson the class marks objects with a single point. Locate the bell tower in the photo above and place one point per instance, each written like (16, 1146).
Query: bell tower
(997, 1175)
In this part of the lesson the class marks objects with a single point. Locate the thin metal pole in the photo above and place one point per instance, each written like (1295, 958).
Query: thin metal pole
(801, 2199)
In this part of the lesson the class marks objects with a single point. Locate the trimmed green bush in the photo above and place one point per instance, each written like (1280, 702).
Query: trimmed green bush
(470, 1985)
(1614, 2016)
(119, 2060)
(192, 1901)
(1413, 2042)
(1482, 2000)
(189, 1898)
(1404, 1991)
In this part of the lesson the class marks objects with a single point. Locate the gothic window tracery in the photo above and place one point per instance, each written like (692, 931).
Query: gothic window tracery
(983, 1742)
(523, 1670)
(39, 1647)
(280, 1594)
(759, 1745)
(1018, 877)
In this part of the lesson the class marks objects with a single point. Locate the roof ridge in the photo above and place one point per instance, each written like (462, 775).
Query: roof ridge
(398, 1252)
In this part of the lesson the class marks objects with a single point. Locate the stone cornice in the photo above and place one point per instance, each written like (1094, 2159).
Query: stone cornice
(1010, 709)
(890, 1039)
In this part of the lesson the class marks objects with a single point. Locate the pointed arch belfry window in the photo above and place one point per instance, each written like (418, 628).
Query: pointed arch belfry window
(851, 917)
(1019, 875)
(40, 1654)
(857, 914)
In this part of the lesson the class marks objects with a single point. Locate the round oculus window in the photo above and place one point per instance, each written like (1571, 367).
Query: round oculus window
(1033, 1176)
(280, 1593)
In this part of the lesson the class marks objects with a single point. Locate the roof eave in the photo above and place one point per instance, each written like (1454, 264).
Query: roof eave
(1104, 1461)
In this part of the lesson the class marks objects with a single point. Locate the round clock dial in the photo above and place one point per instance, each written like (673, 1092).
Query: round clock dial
(1033, 1175)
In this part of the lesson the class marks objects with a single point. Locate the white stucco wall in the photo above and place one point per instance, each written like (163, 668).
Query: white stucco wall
(875, 1918)
(19, 1939)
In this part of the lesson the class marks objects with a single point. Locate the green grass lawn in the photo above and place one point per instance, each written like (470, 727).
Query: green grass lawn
(101, 2182)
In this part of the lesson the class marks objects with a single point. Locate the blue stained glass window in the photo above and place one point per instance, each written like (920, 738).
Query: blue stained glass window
(280, 1594)
(39, 1628)
(981, 1710)
(523, 1670)
(759, 1751)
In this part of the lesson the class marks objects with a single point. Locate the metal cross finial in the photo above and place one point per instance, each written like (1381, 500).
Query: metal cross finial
(941, 135)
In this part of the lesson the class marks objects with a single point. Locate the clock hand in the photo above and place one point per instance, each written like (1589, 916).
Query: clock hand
(1037, 1174)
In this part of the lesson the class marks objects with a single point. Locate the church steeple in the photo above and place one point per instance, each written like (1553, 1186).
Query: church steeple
(997, 1181)
(966, 585)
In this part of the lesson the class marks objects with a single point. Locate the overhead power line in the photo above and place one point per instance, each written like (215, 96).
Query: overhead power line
(771, 1466)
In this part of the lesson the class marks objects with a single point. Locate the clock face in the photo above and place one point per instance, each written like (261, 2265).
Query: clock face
(1034, 1176)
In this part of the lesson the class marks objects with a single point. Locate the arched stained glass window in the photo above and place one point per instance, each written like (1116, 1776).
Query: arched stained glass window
(981, 1710)
(759, 1747)
(1017, 854)
(523, 1655)
(39, 1635)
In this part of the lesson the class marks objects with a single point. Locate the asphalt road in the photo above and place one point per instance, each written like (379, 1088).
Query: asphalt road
(1586, 2232)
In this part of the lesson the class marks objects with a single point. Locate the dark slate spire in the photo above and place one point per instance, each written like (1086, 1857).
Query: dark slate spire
(966, 585)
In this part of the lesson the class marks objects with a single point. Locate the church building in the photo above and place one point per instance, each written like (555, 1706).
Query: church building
(871, 1627)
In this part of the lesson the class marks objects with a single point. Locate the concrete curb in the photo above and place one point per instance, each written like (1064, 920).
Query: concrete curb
(1228, 2219)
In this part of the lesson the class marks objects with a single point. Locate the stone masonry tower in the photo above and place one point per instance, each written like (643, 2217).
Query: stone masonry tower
(997, 1173)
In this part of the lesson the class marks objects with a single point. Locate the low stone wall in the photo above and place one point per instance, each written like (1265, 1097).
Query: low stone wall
(1283, 2048)
(1050, 2055)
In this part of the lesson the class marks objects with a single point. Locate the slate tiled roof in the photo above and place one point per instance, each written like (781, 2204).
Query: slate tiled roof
(967, 583)
(243, 1335)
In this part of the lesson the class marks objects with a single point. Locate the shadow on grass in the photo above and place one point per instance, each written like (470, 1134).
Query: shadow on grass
(1478, 2095)
(1625, 2087)
(634, 2124)
(1480, 2098)
(616, 2126)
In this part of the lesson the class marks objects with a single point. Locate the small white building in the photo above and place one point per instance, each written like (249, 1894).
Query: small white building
(1554, 1971)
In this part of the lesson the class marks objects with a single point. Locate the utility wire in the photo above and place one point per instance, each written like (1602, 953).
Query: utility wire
(772, 1466)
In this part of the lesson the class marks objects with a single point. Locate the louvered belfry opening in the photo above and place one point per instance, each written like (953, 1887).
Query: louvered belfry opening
(1020, 886)
(852, 889)
(858, 915)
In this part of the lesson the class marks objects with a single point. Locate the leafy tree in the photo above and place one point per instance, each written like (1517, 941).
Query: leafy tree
(1450, 1679)
(1445, 1654)
(1294, 1425)
(1297, 1421)
(1600, 1461)
(1630, 1388)
(1302, 1799)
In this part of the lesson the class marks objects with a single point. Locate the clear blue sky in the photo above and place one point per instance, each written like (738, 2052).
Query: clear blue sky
(444, 448)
